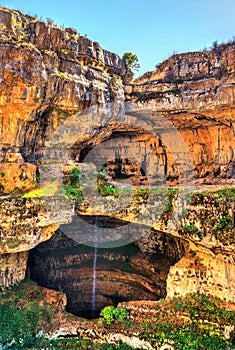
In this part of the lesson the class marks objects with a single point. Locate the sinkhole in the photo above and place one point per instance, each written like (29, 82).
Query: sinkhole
(122, 273)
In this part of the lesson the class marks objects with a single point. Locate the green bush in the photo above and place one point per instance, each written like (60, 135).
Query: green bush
(110, 314)
(21, 326)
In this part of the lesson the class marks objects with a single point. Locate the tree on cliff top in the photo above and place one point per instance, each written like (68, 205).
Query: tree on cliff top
(131, 60)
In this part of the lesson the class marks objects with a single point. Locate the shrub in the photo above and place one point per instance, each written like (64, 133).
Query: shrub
(191, 228)
(110, 314)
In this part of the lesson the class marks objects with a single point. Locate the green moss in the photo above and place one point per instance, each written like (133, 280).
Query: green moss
(84, 344)
(227, 193)
(63, 114)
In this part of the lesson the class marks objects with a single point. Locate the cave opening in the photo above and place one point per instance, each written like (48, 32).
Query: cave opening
(137, 156)
(120, 166)
(123, 273)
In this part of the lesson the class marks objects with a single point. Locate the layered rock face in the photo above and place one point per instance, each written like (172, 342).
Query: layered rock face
(12, 268)
(25, 222)
(197, 257)
(47, 75)
(196, 92)
(63, 73)
(205, 272)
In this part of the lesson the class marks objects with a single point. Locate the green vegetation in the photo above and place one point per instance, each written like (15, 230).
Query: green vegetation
(110, 314)
(191, 337)
(220, 221)
(64, 51)
(201, 327)
(24, 313)
(105, 188)
(227, 193)
(22, 316)
(3, 27)
(82, 344)
(195, 322)
(191, 229)
(47, 191)
(65, 76)
(74, 190)
(131, 60)
(50, 22)
(171, 195)
(62, 114)
(72, 186)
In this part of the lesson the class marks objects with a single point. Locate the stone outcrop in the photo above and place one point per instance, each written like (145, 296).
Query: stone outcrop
(63, 74)
(12, 268)
(48, 74)
(25, 222)
(205, 272)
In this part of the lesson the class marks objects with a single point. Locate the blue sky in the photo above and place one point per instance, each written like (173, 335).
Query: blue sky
(152, 29)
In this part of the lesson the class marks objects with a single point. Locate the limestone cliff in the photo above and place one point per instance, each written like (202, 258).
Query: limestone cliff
(49, 76)
(195, 91)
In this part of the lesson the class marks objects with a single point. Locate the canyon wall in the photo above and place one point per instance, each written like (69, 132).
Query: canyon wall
(48, 74)
(26, 222)
(195, 91)
(49, 77)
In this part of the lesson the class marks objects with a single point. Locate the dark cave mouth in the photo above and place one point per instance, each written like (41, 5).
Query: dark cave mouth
(123, 273)
(87, 312)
